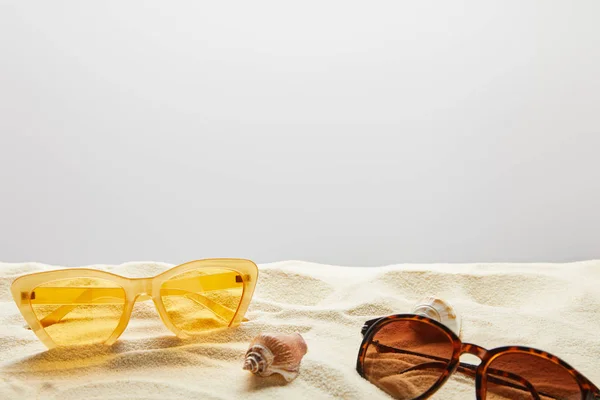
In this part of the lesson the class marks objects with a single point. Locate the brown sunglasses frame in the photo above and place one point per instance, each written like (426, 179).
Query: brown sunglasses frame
(588, 390)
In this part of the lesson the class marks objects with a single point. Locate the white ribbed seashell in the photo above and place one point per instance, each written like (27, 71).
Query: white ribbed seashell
(273, 353)
(439, 310)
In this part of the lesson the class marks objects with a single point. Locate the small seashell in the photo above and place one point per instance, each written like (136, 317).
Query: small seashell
(275, 353)
(439, 310)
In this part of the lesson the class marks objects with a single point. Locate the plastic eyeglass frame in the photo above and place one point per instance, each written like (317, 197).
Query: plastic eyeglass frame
(588, 390)
(136, 288)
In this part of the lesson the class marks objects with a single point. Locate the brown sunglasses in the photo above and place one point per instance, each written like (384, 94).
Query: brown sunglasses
(411, 356)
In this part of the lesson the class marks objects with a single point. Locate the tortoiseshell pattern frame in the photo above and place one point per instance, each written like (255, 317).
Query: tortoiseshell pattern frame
(589, 391)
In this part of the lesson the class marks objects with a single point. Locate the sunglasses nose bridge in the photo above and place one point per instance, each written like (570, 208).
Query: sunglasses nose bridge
(473, 349)
(142, 288)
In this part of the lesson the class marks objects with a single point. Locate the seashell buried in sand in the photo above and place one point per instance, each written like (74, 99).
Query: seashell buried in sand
(275, 353)
(439, 310)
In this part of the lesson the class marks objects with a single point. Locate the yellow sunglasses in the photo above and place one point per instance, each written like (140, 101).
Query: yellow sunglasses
(78, 306)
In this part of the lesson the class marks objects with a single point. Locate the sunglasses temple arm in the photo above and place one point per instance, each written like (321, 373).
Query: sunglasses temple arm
(62, 311)
(367, 325)
(491, 378)
(467, 369)
(225, 313)
(594, 393)
(105, 293)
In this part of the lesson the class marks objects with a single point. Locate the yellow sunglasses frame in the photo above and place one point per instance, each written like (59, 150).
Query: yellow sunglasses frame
(25, 290)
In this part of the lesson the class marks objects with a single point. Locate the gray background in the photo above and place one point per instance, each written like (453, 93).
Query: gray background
(343, 132)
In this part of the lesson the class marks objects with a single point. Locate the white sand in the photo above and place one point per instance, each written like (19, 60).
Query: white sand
(554, 307)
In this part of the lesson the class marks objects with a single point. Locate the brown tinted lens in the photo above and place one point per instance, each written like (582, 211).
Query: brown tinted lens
(530, 376)
(406, 358)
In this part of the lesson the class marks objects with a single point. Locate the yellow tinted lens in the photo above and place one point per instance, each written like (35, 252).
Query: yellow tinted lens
(78, 311)
(201, 299)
